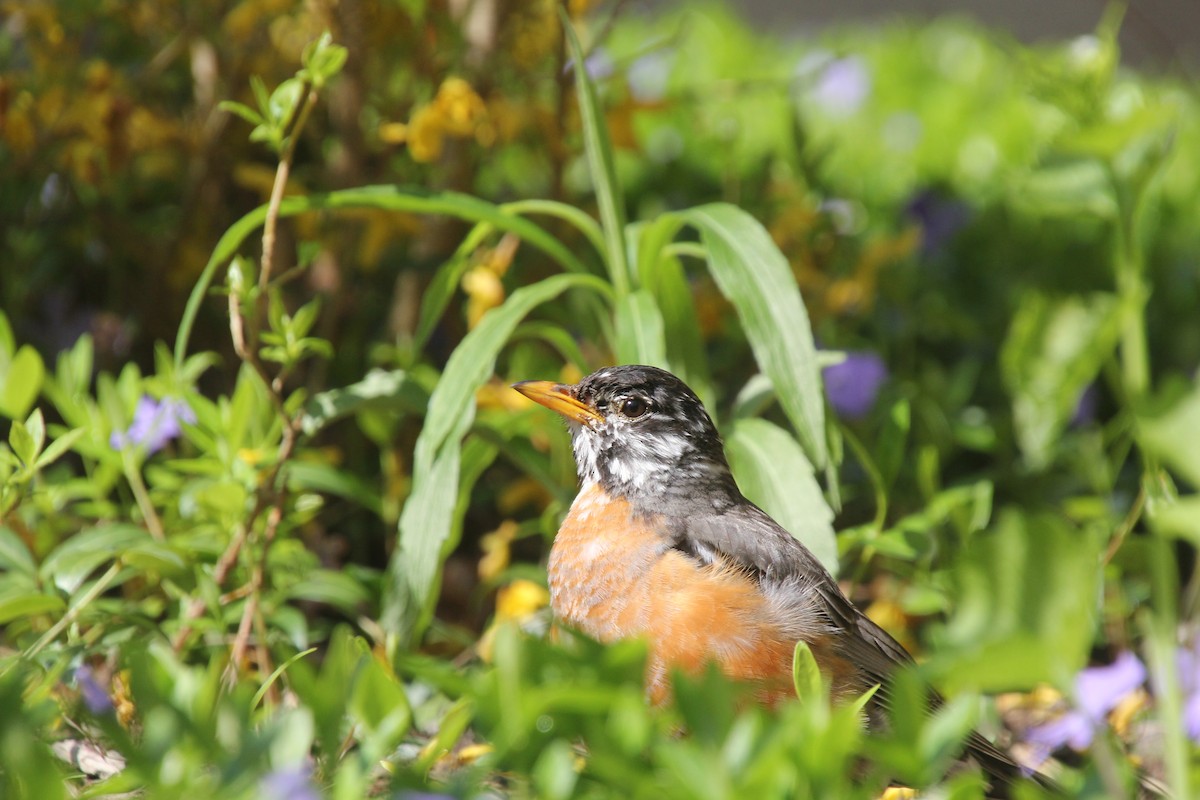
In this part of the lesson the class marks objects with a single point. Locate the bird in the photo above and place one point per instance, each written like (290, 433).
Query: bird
(661, 544)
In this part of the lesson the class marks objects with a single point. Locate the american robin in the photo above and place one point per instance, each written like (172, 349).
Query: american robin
(661, 544)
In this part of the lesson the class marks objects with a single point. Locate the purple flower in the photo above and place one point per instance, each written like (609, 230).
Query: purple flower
(1085, 407)
(1187, 661)
(94, 695)
(1098, 690)
(940, 218)
(154, 424)
(853, 385)
(292, 783)
(599, 65)
(843, 86)
(649, 74)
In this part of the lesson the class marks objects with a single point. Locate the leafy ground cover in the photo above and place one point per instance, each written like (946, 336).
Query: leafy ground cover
(271, 522)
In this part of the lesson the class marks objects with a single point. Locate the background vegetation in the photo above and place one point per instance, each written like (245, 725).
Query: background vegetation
(271, 522)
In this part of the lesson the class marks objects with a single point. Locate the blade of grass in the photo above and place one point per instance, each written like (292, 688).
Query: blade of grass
(600, 164)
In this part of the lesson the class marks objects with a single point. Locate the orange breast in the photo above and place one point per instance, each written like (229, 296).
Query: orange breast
(612, 575)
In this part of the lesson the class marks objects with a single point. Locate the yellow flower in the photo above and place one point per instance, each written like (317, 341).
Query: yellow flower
(426, 134)
(484, 292)
(496, 550)
(460, 107)
(520, 600)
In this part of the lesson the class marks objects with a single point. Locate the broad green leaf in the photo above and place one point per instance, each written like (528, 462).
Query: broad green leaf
(59, 446)
(1180, 518)
(377, 388)
(755, 276)
(14, 555)
(772, 470)
(379, 704)
(554, 775)
(21, 442)
(328, 479)
(1171, 430)
(36, 425)
(69, 564)
(21, 382)
(427, 521)
(149, 555)
(384, 198)
(1054, 349)
(600, 164)
(15, 605)
(1026, 605)
(639, 328)
(337, 589)
(1070, 189)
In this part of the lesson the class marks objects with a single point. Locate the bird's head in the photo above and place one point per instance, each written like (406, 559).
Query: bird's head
(639, 432)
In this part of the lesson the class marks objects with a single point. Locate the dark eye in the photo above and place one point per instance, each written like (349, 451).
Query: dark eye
(634, 407)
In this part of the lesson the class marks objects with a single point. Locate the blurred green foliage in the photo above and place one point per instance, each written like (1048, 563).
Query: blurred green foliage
(262, 563)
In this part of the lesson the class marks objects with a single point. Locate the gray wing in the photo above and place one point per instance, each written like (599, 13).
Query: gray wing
(745, 536)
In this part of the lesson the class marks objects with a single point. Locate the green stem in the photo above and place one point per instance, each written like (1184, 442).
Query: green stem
(1160, 636)
(97, 588)
(141, 495)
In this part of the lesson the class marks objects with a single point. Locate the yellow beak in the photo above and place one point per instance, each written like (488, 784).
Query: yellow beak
(557, 397)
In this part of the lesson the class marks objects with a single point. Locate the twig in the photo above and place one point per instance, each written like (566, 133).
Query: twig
(244, 333)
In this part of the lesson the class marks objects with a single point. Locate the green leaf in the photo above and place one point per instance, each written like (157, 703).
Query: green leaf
(58, 447)
(156, 557)
(1180, 518)
(639, 327)
(1054, 349)
(16, 605)
(1170, 428)
(773, 472)
(1067, 189)
(21, 382)
(36, 425)
(21, 443)
(600, 163)
(8, 344)
(806, 675)
(755, 276)
(14, 555)
(554, 774)
(892, 439)
(428, 516)
(337, 589)
(69, 564)
(379, 704)
(378, 389)
(314, 477)
(244, 111)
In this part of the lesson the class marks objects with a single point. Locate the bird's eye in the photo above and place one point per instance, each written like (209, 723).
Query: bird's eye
(634, 407)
